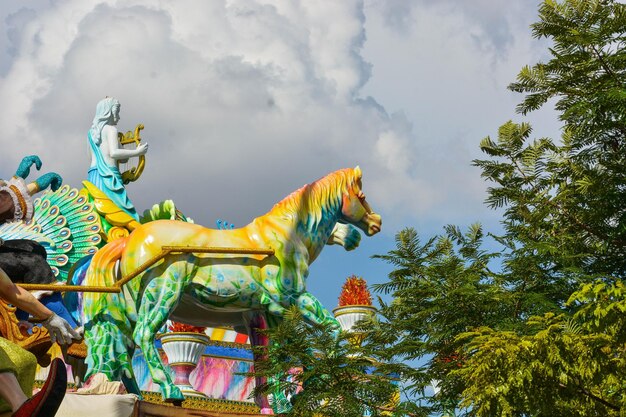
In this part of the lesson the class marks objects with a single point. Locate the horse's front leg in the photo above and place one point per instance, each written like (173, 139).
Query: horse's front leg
(345, 235)
(255, 321)
(159, 298)
(314, 311)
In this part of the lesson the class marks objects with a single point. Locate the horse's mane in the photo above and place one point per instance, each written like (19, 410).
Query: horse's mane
(315, 199)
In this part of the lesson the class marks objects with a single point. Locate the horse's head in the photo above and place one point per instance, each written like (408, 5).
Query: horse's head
(355, 209)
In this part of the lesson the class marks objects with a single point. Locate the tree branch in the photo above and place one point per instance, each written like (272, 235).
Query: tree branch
(594, 397)
(605, 66)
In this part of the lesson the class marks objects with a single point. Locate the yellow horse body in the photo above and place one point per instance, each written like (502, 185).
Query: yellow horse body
(216, 289)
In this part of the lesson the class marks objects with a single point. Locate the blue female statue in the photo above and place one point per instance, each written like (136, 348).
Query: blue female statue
(106, 151)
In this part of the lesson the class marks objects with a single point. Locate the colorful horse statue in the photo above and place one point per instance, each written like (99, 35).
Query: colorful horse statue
(208, 289)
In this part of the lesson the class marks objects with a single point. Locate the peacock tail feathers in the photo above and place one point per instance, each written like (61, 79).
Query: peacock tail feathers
(18, 230)
(65, 224)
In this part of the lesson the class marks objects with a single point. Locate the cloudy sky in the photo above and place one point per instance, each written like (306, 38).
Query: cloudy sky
(243, 101)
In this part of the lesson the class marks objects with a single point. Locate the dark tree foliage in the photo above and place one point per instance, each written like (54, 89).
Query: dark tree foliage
(312, 371)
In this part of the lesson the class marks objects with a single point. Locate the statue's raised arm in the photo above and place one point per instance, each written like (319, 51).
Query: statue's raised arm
(106, 151)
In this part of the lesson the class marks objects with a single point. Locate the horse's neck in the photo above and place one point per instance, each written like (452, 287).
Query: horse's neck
(294, 223)
(318, 238)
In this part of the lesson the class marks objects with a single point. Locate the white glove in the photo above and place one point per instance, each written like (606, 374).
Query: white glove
(60, 330)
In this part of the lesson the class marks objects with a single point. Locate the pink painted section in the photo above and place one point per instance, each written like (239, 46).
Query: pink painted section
(215, 377)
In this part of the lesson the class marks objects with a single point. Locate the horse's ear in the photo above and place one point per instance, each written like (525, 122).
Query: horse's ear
(357, 172)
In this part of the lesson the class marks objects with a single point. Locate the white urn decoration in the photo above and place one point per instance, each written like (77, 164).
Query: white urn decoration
(349, 315)
(184, 350)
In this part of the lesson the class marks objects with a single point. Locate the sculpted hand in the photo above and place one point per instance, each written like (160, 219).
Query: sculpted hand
(51, 179)
(142, 149)
(60, 330)
(24, 169)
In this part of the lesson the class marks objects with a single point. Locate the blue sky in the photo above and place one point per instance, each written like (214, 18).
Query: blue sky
(246, 100)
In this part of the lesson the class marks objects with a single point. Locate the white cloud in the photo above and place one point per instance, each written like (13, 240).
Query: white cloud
(243, 101)
(393, 152)
(445, 65)
(246, 100)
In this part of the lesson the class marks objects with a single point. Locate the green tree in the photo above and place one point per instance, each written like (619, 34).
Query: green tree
(441, 289)
(542, 336)
(312, 371)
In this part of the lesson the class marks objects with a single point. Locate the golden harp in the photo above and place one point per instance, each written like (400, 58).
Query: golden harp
(131, 140)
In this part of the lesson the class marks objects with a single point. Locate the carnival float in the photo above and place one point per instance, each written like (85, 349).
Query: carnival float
(156, 289)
